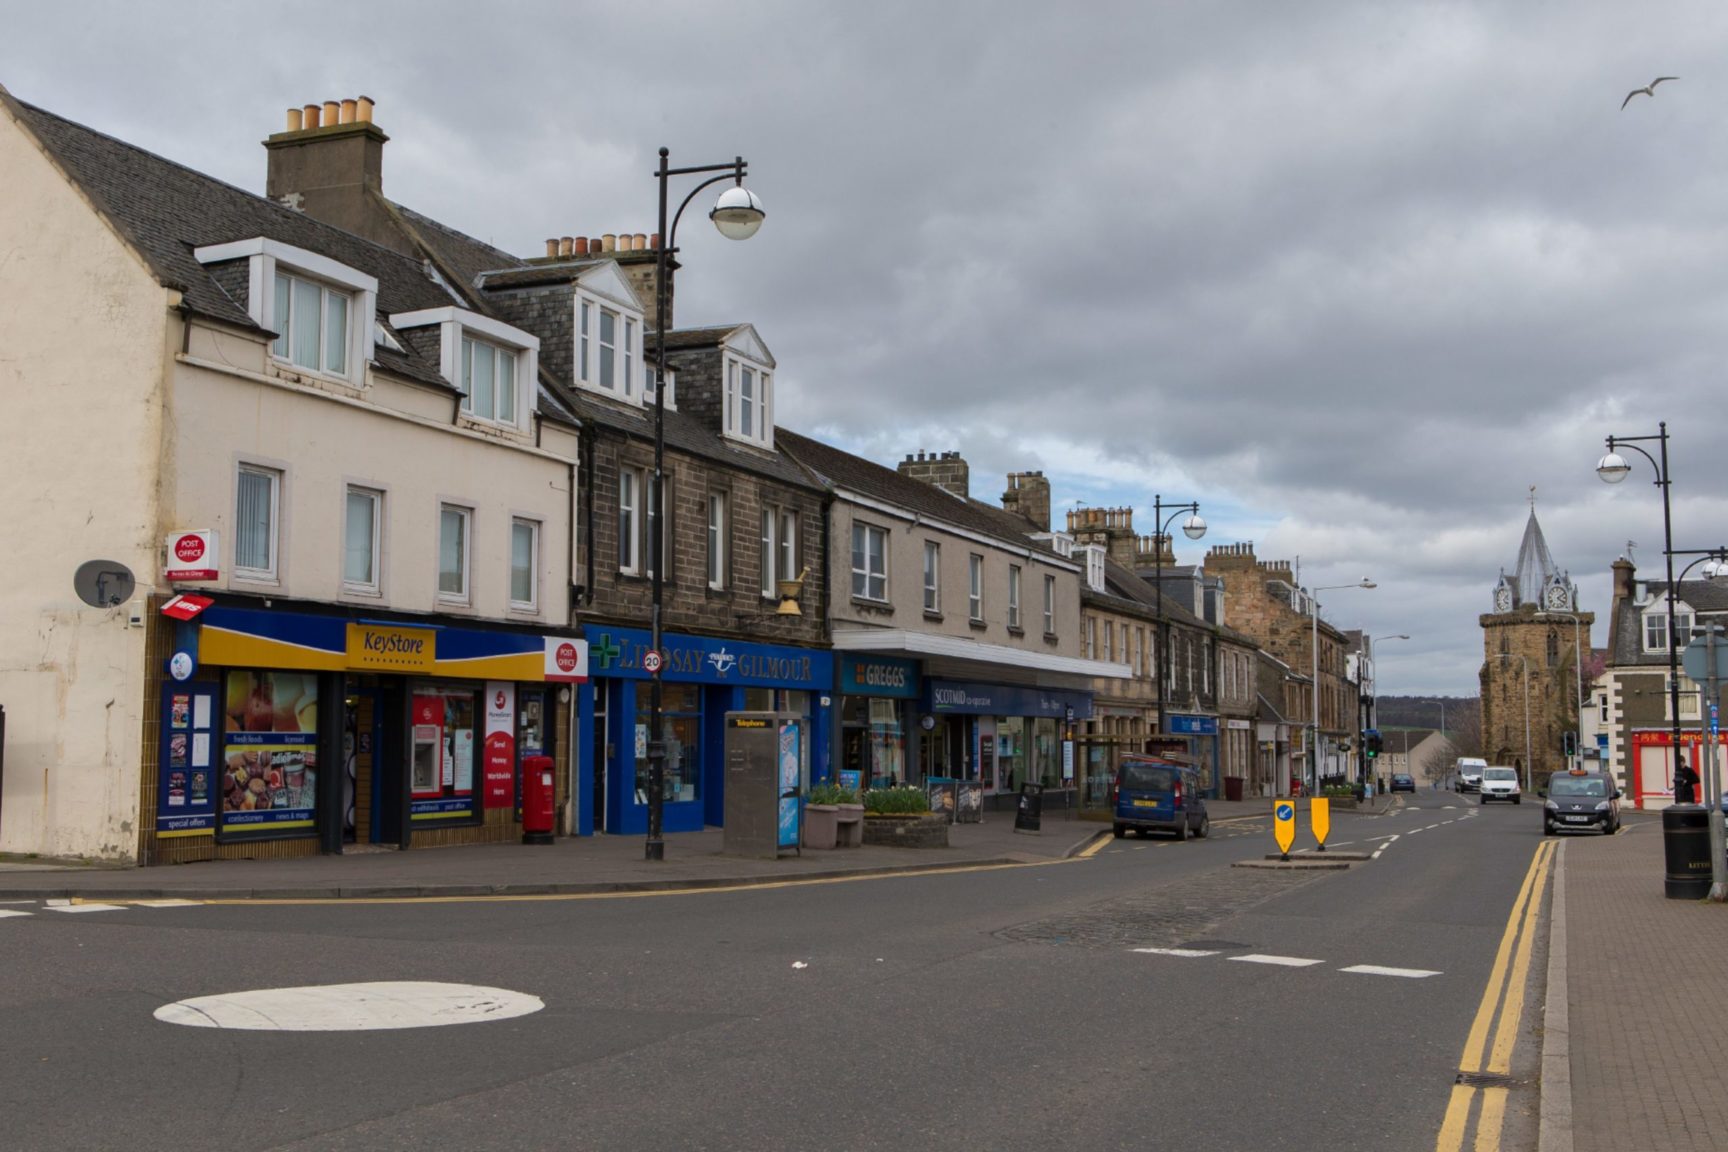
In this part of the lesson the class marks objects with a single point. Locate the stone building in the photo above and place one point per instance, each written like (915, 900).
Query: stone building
(1531, 643)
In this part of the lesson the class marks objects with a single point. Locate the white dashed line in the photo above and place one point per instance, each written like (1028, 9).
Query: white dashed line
(1284, 961)
(1376, 970)
(5, 912)
(1390, 840)
(1190, 953)
(86, 907)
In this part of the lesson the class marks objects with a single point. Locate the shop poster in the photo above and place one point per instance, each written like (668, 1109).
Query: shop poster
(499, 771)
(270, 751)
(186, 777)
(790, 764)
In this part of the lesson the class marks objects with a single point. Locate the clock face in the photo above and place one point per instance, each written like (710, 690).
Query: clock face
(1502, 599)
(1557, 596)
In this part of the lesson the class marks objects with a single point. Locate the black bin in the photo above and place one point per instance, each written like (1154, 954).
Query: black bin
(1686, 846)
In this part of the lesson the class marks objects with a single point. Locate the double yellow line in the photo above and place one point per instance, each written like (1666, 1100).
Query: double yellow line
(1508, 978)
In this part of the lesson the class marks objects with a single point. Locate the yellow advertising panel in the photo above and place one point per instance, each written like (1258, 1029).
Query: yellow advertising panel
(1284, 824)
(1320, 817)
(376, 648)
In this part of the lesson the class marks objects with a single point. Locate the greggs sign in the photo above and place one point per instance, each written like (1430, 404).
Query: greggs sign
(382, 649)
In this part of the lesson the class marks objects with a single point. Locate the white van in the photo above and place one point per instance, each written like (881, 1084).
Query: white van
(1467, 773)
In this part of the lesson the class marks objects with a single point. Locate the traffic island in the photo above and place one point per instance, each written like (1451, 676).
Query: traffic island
(1322, 856)
(1326, 863)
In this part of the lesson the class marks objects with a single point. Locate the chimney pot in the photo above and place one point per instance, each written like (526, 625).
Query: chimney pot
(563, 245)
(363, 109)
(294, 118)
(608, 241)
(641, 242)
(347, 111)
(581, 246)
(310, 119)
(654, 240)
(332, 112)
(552, 247)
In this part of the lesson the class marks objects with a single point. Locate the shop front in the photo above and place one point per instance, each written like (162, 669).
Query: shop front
(1197, 737)
(1650, 775)
(1003, 735)
(288, 732)
(702, 679)
(877, 698)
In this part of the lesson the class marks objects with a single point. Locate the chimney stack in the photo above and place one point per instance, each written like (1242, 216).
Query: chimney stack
(1028, 496)
(946, 470)
(329, 164)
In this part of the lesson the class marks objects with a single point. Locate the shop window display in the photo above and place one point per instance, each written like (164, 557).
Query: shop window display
(441, 767)
(681, 708)
(270, 752)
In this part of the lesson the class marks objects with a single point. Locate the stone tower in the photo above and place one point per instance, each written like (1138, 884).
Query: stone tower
(1531, 644)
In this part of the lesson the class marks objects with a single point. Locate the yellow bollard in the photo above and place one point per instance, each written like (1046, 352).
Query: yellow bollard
(1320, 816)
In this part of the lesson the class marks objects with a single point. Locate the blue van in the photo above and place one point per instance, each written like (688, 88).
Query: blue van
(1153, 795)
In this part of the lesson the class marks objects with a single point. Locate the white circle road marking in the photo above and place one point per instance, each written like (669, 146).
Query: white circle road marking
(351, 1007)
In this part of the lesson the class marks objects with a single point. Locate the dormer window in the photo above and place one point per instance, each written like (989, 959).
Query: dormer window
(490, 363)
(322, 311)
(748, 402)
(1656, 626)
(609, 351)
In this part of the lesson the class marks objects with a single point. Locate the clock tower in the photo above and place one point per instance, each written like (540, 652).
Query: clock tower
(1531, 645)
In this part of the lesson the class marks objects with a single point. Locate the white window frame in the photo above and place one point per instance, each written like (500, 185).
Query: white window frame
(532, 603)
(465, 515)
(269, 573)
(376, 584)
(719, 544)
(632, 377)
(761, 402)
(932, 577)
(975, 588)
(266, 257)
(1014, 596)
(458, 326)
(769, 519)
(870, 582)
(632, 493)
(787, 545)
(1049, 605)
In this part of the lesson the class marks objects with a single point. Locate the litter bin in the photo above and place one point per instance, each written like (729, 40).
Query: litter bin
(1233, 787)
(1686, 846)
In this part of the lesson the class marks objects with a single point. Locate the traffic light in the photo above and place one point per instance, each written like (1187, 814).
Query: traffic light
(1569, 743)
(1371, 744)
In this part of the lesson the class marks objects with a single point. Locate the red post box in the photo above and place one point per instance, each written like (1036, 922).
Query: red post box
(536, 799)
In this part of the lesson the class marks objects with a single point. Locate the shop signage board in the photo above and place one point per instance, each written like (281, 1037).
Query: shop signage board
(193, 556)
(566, 660)
(621, 652)
(186, 778)
(185, 606)
(499, 770)
(378, 648)
(955, 697)
(879, 676)
(1193, 725)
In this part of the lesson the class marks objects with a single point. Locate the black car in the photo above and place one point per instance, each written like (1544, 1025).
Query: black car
(1580, 801)
(1403, 783)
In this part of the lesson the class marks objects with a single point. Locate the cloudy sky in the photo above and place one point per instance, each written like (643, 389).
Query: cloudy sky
(1353, 275)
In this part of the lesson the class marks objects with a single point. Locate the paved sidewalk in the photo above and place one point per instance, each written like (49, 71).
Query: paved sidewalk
(1647, 996)
(572, 865)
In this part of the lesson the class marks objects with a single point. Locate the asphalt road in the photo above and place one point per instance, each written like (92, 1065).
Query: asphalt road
(994, 1008)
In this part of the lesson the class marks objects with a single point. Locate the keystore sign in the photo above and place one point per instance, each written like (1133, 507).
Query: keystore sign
(381, 649)
(192, 556)
(879, 676)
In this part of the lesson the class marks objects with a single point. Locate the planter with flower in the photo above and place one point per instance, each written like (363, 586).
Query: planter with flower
(901, 818)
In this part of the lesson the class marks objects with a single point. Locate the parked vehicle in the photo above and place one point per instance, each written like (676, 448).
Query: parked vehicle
(1153, 795)
(1403, 783)
(1500, 783)
(1578, 801)
(1467, 770)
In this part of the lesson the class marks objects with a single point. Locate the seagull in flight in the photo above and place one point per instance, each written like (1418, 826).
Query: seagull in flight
(1649, 90)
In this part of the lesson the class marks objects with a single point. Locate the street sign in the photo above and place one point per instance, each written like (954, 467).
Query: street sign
(651, 662)
(1284, 825)
(1696, 659)
(1320, 819)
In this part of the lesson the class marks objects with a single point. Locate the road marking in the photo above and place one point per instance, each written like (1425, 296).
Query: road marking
(1491, 1119)
(351, 1007)
(167, 903)
(1190, 953)
(53, 907)
(1376, 970)
(1388, 836)
(1522, 918)
(5, 912)
(1284, 961)
(1390, 840)
(1094, 848)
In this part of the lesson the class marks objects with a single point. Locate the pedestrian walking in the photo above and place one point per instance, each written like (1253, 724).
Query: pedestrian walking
(1685, 783)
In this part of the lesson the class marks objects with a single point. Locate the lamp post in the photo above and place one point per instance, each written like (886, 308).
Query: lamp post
(1374, 697)
(1193, 528)
(1529, 768)
(1716, 560)
(1613, 469)
(737, 214)
(1314, 628)
(1578, 667)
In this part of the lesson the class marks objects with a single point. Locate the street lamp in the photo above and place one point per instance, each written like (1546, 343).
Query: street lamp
(1613, 469)
(1374, 695)
(1314, 746)
(1193, 528)
(1528, 767)
(737, 214)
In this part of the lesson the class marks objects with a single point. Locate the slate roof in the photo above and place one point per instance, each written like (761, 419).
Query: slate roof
(1706, 598)
(1535, 564)
(166, 210)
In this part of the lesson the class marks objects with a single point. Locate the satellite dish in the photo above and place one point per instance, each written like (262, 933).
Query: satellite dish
(103, 583)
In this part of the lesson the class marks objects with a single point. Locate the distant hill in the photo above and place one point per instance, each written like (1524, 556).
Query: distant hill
(1424, 712)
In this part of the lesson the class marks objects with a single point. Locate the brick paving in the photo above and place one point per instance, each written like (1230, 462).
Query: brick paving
(1648, 1001)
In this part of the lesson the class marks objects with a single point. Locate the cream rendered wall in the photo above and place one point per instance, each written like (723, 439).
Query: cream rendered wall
(905, 608)
(322, 442)
(84, 338)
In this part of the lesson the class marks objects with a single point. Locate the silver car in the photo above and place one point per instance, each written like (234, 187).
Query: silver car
(1501, 784)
